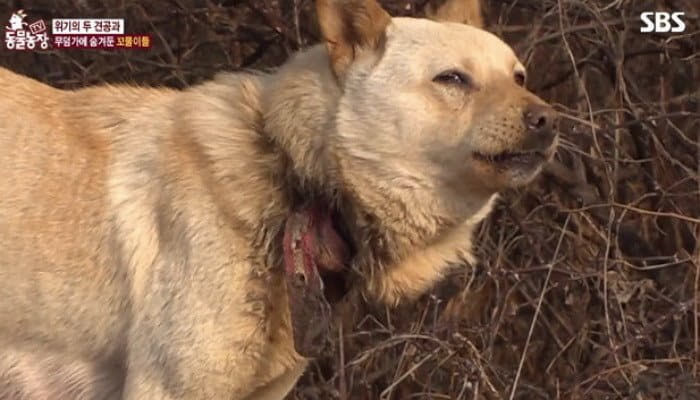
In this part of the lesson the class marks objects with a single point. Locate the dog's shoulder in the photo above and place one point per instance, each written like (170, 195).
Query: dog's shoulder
(233, 97)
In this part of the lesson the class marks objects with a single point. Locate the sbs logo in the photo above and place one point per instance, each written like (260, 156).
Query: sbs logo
(662, 22)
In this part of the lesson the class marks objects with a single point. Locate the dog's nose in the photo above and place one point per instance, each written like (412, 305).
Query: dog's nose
(539, 122)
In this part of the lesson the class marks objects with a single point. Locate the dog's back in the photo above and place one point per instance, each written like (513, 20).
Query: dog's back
(74, 163)
(53, 227)
(52, 211)
(58, 264)
(109, 192)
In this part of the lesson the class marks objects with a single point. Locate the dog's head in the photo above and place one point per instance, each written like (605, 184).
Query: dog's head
(432, 104)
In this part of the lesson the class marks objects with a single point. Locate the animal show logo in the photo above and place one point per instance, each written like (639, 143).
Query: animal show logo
(70, 33)
(18, 37)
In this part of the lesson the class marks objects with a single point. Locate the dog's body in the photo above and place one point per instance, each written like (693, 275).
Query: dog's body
(140, 228)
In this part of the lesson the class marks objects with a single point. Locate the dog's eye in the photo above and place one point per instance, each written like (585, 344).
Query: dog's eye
(453, 78)
(520, 78)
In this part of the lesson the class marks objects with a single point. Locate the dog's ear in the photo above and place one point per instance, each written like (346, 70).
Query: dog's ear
(462, 11)
(350, 27)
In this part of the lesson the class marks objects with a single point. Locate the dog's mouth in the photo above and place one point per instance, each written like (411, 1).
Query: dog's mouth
(512, 159)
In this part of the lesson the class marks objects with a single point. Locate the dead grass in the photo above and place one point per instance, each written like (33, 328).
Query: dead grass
(589, 284)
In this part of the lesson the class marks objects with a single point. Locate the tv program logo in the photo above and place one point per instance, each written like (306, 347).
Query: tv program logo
(662, 22)
(18, 37)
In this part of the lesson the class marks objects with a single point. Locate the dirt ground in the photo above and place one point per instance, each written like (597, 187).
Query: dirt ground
(589, 280)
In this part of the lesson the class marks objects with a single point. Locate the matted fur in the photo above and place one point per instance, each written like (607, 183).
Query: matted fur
(140, 234)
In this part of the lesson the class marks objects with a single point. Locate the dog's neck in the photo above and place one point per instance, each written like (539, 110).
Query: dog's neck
(301, 101)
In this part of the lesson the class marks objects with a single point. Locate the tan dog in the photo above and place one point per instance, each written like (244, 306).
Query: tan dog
(140, 228)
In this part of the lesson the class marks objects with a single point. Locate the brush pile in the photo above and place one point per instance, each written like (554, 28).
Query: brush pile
(589, 281)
